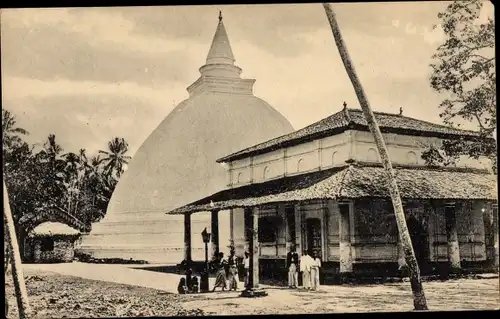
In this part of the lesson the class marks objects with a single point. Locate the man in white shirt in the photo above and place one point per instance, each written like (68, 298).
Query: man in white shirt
(305, 268)
(316, 265)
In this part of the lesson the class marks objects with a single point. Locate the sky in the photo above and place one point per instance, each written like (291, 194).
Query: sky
(90, 74)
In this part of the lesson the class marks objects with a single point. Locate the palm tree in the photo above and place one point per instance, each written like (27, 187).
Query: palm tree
(419, 300)
(97, 187)
(13, 249)
(115, 157)
(50, 170)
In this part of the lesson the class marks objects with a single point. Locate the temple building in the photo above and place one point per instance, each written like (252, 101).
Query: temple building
(177, 164)
(323, 189)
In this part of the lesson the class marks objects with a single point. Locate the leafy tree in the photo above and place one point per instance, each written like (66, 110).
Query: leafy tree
(464, 70)
(50, 182)
(115, 157)
(11, 134)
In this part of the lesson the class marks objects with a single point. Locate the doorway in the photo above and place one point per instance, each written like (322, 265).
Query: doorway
(420, 241)
(313, 228)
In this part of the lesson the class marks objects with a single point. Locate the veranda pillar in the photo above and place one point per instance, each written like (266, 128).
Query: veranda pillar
(490, 217)
(288, 238)
(452, 237)
(298, 230)
(495, 234)
(187, 237)
(215, 232)
(345, 253)
(254, 253)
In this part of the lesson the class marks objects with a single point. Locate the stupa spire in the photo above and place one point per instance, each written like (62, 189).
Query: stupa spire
(220, 50)
(219, 74)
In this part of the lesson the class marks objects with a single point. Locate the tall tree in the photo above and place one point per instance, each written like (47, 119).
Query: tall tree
(419, 300)
(10, 132)
(115, 157)
(13, 247)
(49, 180)
(463, 70)
(53, 179)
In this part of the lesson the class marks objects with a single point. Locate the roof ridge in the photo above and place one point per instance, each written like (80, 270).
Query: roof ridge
(283, 135)
(341, 120)
(413, 119)
(396, 166)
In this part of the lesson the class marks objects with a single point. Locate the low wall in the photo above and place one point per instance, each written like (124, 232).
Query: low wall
(64, 251)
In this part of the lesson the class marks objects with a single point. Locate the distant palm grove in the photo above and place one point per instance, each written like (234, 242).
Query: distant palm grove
(52, 181)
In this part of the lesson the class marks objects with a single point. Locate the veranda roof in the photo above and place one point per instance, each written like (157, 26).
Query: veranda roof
(355, 181)
(53, 229)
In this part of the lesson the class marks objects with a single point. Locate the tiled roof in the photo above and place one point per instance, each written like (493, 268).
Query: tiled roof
(355, 181)
(341, 121)
(424, 183)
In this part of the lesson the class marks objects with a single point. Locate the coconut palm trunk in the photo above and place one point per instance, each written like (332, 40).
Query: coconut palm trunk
(419, 300)
(17, 272)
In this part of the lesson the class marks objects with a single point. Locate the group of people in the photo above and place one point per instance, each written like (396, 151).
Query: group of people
(227, 277)
(227, 271)
(188, 284)
(309, 266)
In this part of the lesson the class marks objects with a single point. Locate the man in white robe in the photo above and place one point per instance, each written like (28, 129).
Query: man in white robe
(316, 265)
(305, 267)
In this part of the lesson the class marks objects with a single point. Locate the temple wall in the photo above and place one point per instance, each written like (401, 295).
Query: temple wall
(376, 230)
(306, 157)
(373, 231)
(374, 238)
(405, 149)
(335, 150)
(470, 228)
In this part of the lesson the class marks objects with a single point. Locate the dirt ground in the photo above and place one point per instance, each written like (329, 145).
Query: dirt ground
(52, 295)
(56, 296)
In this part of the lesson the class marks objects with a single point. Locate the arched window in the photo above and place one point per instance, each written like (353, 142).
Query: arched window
(299, 165)
(265, 173)
(238, 179)
(372, 155)
(334, 155)
(411, 157)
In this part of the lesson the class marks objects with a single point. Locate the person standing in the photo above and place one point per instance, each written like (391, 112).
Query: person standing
(292, 262)
(305, 268)
(233, 272)
(220, 265)
(315, 267)
(246, 264)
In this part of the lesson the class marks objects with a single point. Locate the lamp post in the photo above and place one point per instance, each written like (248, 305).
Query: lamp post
(204, 276)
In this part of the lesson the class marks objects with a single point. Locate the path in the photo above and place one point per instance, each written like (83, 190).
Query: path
(116, 273)
(121, 274)
(448, 295)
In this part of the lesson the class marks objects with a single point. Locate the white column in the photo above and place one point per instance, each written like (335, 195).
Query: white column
(298, 229)
(254, 254)
(452, 236)
(344, 238)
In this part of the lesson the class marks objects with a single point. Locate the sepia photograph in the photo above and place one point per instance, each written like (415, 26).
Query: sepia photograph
(257, 159)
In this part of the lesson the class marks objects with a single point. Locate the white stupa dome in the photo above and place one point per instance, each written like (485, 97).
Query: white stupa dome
(177, 164)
